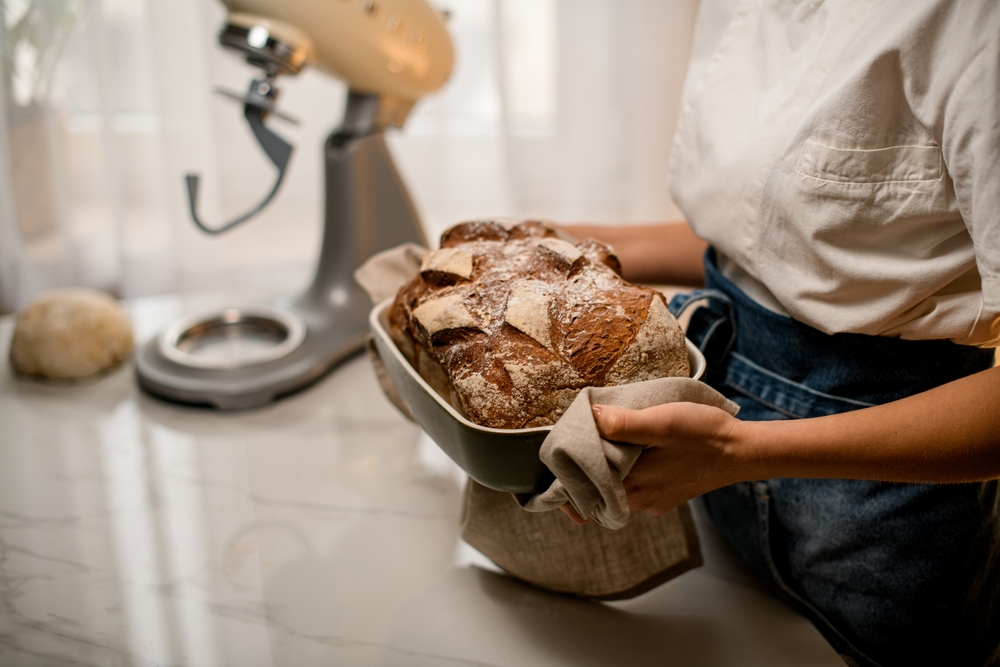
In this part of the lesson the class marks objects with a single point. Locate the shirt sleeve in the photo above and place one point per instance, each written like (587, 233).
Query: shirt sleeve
(971, 145)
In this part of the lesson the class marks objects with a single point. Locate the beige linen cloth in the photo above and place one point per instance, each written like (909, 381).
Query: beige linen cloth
(619, 554)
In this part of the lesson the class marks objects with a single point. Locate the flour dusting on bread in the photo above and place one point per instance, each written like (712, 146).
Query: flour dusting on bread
(516, 321)
(528, 311)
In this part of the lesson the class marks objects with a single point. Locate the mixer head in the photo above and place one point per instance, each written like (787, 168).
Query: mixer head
(396, 50)
(275, 47)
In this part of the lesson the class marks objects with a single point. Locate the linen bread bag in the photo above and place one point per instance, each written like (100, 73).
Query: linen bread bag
(510, 323)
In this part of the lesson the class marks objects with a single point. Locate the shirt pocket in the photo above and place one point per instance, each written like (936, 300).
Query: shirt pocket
(897, 164)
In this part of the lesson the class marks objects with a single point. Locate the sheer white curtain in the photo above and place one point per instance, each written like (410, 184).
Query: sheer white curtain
(562, 109)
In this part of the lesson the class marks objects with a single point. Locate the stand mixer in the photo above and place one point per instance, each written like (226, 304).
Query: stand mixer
(390, 53)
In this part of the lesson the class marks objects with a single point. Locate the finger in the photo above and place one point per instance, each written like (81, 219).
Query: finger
(638, 427)
(637, 502)
(660, 510)
(656, 503)
(661, 425)
(573, 515)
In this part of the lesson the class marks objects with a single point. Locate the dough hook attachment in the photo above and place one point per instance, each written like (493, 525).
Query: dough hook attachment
(258, 103)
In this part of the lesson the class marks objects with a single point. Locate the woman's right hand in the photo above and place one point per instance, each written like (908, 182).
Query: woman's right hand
(689, 449)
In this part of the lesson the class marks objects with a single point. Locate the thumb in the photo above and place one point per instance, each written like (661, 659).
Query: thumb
(622, 425)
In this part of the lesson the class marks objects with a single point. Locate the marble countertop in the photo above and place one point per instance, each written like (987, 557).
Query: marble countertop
(319, 530)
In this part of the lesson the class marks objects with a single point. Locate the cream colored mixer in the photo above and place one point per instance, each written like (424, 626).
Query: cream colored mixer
(390, 53)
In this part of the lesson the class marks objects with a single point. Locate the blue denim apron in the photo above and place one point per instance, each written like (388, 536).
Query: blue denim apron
(891, 574)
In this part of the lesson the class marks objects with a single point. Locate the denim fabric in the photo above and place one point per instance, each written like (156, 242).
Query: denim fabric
(891, 574)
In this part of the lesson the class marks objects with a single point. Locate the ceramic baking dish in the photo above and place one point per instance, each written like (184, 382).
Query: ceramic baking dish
(502, 459)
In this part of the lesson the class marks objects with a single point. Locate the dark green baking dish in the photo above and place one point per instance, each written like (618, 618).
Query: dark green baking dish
(502, 459)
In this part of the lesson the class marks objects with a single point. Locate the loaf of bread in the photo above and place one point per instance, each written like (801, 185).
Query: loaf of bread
(509, 322)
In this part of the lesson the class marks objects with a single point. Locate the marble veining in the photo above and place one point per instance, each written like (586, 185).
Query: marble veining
(321, 530)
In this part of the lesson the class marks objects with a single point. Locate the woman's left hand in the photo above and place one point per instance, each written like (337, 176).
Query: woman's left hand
(691, 449)
(949, 434)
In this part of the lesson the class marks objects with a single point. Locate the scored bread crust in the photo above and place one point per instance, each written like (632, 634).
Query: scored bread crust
(508, 323)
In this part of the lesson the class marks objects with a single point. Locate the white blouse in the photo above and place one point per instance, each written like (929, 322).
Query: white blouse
(844, 158)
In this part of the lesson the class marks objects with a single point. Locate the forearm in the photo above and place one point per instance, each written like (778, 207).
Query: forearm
(664, 254)
(947, 434)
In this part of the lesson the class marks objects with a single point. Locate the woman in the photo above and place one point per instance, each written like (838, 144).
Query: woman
(842, 161)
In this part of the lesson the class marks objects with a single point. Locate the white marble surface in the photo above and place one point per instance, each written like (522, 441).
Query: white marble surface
(321, 530)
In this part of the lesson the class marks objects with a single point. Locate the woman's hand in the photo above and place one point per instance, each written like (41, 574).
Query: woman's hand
(691, 449)
(945, 435)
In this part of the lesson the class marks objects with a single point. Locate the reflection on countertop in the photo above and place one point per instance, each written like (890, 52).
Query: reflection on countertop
(320, 530)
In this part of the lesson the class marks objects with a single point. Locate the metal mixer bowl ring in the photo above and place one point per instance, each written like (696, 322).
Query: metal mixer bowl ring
(232, 337)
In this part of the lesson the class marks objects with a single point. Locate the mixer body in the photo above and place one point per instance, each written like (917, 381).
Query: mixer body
(390, 52)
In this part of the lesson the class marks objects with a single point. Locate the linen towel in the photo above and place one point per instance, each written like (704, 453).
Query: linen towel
(618, 555)
(588, 469)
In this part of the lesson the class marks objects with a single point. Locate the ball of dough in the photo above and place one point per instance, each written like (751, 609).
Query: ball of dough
(70, 333)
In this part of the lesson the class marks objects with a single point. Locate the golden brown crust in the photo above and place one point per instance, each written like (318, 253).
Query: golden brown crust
(537, 320)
